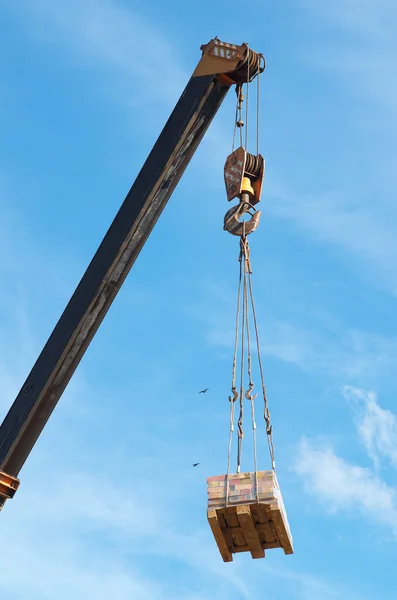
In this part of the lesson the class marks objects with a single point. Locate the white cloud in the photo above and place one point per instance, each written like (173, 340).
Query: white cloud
(90, 532)
(377, 426)
(141, 70)
(140, 67)
(340, 485)
(86, 537)
(78, 534)
(54, 567)
(355, 210)
(366, 17)
(357, 228)
(312, 588)
(89, 529)
(132, 53)
(327, 347)
(107, 35)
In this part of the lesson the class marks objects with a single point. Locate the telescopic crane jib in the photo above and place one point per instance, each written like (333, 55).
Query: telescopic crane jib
(221, 66)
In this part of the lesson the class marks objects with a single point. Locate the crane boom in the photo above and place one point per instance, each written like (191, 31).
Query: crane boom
(221, 66)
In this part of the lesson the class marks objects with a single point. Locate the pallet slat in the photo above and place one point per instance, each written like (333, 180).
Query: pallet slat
(218, 535)
(250, 533)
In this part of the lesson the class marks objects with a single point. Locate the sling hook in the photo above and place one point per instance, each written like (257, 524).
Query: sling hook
(231, 221)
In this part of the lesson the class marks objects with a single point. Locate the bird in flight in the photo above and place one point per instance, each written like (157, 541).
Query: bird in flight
(195, 464)
(203, 391)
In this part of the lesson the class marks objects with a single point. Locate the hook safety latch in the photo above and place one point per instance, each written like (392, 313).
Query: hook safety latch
(232, 222)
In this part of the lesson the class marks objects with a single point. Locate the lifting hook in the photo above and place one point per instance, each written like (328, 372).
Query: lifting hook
(231, 221)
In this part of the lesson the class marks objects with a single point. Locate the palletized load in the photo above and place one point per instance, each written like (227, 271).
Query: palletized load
(246, 513)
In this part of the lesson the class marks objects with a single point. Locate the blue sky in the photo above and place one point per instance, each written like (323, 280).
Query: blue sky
(109, 505)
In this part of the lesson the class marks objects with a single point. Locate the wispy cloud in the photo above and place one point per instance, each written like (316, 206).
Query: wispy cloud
(361, 16)
(311, 588)
(324, 346)
(356, 227)
(377, 427)
(111, 524)
(113, 527)
(349, 354)
(107, 35)
(349, 47)
(141, 70)
(135, 522)
(51, 573)
(361, 55)
(136, 525)
(117, 40)
(341, 486)
(28, 274)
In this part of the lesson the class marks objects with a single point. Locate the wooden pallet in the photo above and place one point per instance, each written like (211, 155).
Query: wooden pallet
(246, 525)
(250, 528)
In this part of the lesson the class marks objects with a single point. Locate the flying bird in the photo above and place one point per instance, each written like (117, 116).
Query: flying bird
(195, 464)
(203, 391)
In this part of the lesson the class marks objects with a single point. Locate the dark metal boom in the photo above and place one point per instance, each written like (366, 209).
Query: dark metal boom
(221, 66)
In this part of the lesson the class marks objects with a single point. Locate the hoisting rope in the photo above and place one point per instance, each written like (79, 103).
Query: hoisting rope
(238, 121)
(240, 431)
(245, 305)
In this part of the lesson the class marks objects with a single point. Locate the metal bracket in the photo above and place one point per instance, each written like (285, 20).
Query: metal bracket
(229, 59)
(8, 486)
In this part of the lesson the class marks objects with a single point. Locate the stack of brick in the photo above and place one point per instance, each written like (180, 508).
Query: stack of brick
(243, 488)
